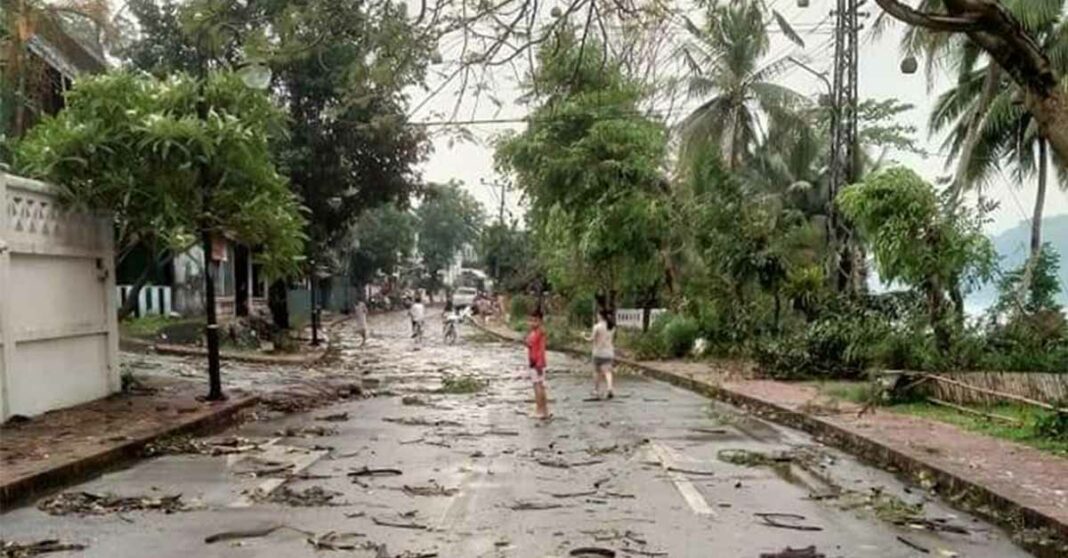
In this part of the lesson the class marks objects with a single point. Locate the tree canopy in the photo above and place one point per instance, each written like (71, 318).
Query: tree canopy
(136, 145)
(590, 163)
(448, 219)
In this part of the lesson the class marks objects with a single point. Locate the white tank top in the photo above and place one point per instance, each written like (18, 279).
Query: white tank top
(602, 341)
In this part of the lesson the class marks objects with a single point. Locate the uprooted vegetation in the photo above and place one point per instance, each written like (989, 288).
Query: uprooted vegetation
(466, 383)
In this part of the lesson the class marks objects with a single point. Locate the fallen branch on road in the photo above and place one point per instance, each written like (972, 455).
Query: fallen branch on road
(399, 525)
(12, 549)
(772, 519)
(807, 552)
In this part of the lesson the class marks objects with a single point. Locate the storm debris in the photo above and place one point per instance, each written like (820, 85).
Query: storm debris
(332, 540)
(415, 401)
(12, 549)
(774, 519)
(307, 431)
(462, 384)
(913, 545)
(259, 468)
(530, 505)
(807, 552)
(309, 497)
(420, 421)
(244, 534)
(593, 551)
(185, 444)
(749, 458)
(375, 472)
(399, 524)
(88, 503)
(432, 489)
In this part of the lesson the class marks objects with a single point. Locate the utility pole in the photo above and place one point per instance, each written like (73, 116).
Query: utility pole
(841, 260)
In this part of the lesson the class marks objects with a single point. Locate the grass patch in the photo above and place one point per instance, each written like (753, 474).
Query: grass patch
(1028, 433)
(462, 384)
(148, 327)
(855, 392)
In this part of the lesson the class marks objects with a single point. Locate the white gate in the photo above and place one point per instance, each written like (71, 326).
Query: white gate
(58, 325)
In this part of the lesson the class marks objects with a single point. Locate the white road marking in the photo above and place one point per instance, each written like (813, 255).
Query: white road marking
(669, 459)
(305, 458)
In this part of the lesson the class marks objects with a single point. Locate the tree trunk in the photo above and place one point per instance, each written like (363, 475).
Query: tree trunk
(936, 308)
(1036, 223)
(1051, 113)
(276, 301)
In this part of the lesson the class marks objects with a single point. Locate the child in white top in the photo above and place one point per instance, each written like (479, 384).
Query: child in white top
(604, 353)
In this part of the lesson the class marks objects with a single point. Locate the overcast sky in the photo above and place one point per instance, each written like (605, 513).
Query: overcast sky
(879, 75)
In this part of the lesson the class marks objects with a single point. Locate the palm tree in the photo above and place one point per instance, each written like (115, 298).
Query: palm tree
(726, 66)
(988, 124)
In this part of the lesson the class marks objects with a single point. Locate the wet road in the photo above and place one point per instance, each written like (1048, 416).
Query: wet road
(656, 472)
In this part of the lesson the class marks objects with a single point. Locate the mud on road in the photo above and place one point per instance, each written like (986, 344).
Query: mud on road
(445, 460)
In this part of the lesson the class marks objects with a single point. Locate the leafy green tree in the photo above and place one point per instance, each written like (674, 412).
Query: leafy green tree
(590, 164)
(727, 68)
(448, 219)
(136, 146)
(340, 69)
(506, 252)
(385, 238)
(917, 241)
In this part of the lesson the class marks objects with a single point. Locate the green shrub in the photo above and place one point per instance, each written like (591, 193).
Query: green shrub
(678, 335)
(836, 347)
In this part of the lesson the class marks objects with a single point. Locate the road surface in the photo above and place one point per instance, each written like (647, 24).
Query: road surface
(657, 471)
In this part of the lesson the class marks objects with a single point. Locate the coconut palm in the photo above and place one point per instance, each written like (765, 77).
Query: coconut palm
(988, 125)
(726, 64)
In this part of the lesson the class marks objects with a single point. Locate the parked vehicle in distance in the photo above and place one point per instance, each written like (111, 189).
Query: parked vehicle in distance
(463, 297)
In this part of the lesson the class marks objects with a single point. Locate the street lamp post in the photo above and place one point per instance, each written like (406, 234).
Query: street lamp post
(254, 76)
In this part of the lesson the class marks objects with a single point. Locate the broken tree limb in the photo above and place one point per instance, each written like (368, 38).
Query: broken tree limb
(964, 409)
(773, 519)
(399, 525)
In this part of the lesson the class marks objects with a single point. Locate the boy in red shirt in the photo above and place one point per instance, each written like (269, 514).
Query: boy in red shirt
(536, 341)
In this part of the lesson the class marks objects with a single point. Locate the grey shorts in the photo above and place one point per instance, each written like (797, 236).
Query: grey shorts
(601, 361)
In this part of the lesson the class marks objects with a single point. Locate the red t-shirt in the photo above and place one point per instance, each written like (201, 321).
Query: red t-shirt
(536, 349)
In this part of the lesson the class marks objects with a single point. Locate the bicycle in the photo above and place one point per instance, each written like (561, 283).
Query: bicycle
(451, 333)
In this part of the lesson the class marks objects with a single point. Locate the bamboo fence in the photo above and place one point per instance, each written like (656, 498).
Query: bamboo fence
(966, 388)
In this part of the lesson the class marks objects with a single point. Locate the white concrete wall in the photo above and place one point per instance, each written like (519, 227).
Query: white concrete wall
(58, 324)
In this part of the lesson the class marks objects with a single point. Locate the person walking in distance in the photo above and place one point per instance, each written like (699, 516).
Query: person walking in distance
(604, 353)
(536, 341)
(360, 316)
(417, 313)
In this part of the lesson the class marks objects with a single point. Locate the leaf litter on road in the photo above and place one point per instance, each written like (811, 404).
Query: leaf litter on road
(12, 549)
(89, 503)
(315, 496)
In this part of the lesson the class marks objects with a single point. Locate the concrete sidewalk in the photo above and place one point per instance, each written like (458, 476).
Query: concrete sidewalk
(1011, 484)
(72, 444)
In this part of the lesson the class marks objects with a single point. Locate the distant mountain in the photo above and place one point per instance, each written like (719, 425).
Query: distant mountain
(1012, 247)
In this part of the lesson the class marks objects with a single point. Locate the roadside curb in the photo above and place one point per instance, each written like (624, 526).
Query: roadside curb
(983, 501)
(84, 467)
